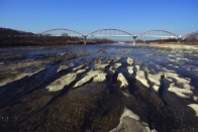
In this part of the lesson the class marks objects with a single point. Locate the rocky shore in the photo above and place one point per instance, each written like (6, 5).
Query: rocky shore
(95, 91)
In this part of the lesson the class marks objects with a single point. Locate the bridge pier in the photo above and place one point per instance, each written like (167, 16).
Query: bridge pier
(179, 39)
(134, 39)
(85, 40)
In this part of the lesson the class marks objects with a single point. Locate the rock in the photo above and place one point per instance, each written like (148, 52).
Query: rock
(100, 77)
(130, 122)
(98, 60)
(81, 70)
(100, 66)
(89, 75)
(122, 79)
(98, 63)
(19, 76)
(12, 79)
(61, 82)
(117, 65)
(114, 67)
(182, 87)
(62, 67)
(195, 98)
(129, 60)
(78, 67)
(194, 107)
(117, 58)
(155, 79)
(141, 77)
(183, 81)
(137, 67)
(130, 70)
(181, 92)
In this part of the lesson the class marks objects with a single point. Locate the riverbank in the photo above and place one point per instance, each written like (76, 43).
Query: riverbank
(98, 88)
(171, 46)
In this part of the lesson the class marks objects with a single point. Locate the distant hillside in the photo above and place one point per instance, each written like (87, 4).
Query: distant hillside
(8, 31)
(11, 37)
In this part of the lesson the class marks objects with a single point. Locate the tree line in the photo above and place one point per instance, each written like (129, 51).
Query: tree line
(11, 37)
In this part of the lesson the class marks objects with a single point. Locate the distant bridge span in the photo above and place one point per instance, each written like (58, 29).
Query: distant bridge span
(188, 34)
(63, 29)
(161, 31)
(109, 32)
(112, 32)
(110, 29)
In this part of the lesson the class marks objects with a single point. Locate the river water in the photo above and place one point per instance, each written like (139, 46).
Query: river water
(184, 62)
(29, 95)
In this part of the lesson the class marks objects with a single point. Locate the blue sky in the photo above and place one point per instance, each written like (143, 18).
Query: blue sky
(135, 16)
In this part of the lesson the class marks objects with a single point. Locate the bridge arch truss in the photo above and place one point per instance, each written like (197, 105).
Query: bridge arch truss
(118, 34)
(157, 34)
(109, 33)
(61, 32)
(190, 35)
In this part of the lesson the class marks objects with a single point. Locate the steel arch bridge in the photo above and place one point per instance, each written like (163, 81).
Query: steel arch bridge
(158, 34)
(110, 32)
(62, 32)
(101, 33)
(116, 33)
(188, 35)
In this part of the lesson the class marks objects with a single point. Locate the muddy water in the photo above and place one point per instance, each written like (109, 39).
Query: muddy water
(26, 103)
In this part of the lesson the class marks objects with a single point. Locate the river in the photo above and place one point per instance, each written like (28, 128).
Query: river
(41, 81)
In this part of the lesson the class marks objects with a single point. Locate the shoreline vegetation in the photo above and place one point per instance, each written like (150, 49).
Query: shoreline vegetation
(11, 37)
